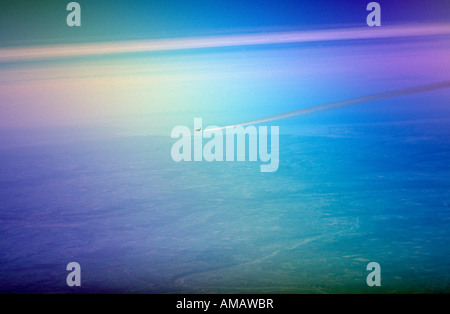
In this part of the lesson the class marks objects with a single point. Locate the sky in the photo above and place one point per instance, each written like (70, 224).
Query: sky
(24, 22)
(205, 62)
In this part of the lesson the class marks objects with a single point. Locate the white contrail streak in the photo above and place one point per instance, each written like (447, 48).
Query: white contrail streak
(342, 103)
(34, 53)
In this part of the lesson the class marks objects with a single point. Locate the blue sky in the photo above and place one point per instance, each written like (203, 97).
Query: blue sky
(41, 22)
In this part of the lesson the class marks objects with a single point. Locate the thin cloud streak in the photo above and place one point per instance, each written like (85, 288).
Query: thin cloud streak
(35, 53)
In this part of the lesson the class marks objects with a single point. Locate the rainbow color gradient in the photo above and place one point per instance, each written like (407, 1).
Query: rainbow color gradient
(86, 173)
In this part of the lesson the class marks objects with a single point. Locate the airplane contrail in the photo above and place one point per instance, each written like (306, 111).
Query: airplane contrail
(342, 103)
